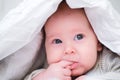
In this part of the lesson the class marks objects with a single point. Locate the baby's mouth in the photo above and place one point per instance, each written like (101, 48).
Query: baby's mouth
(74, 65)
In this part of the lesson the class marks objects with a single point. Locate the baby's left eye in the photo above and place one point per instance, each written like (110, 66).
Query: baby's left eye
(78, 37)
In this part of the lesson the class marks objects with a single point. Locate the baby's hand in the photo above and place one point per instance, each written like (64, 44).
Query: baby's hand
(58, 71)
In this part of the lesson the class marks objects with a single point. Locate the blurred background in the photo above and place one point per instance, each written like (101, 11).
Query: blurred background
(6, 5)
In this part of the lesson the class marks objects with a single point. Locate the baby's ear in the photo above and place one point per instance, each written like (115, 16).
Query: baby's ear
(99, 47)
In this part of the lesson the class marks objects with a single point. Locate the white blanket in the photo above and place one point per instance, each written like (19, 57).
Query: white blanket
(20, 31)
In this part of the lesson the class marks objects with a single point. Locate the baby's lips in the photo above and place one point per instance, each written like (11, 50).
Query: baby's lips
(74, 65)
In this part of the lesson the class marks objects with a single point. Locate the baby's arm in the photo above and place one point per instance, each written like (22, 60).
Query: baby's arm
(55, 71)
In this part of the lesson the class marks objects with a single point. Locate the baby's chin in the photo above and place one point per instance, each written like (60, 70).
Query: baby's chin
(78, 72)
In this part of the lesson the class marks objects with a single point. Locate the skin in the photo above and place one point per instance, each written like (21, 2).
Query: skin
(71, 45)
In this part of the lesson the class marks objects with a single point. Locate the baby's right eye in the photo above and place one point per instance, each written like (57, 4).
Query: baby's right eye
(78, 37)
(57, 41)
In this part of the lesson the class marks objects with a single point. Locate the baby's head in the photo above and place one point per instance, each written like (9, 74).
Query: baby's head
(69, 36)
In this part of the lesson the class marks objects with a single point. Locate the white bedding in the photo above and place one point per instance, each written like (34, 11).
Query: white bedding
(20, 31)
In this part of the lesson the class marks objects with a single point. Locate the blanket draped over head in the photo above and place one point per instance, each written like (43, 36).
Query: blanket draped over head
(21, 37)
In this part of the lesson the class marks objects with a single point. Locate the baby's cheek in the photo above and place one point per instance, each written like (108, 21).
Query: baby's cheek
(53, 59)
(54, 55)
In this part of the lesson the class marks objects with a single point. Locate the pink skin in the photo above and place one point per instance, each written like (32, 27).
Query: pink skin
(82, 52)
(71, 45)
(56, 71)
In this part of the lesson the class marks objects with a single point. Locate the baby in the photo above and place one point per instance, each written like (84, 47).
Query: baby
(73, 50)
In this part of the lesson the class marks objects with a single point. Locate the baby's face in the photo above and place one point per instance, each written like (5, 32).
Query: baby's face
(71, 38)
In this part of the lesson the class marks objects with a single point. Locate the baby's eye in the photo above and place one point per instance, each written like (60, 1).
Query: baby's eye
(78, 37)
(57, 41)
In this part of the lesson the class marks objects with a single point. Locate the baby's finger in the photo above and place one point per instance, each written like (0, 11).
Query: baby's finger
(68, 67)
(67, 72)
(67, 78)
(65, 63)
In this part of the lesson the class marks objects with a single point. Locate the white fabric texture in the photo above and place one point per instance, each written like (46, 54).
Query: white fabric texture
(20, 37)
(26, 20)
(33, 74)
(22, 25)
(29, 17)
(104, 20)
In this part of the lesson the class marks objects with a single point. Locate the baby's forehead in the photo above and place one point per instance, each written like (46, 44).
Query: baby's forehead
(64, 10)
(67, 13)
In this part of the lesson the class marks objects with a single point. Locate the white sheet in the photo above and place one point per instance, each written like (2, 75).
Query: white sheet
(23, 24)
(28, 18)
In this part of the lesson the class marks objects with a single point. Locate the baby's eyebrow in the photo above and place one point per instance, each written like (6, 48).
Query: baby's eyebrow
(50, 36)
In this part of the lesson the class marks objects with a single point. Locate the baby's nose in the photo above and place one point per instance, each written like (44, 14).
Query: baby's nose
(69, 50)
